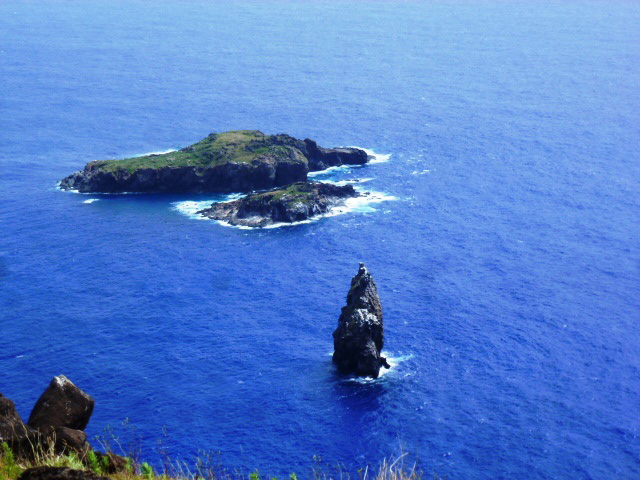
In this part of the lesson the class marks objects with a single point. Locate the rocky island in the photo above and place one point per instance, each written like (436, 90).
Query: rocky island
(359, 338)
(234, 161)
(294, 203)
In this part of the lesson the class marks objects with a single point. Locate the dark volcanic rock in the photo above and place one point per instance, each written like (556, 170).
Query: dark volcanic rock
(295, 203)
(321, 158)
(18, 436)
(237, 161)
(10, 421)
(58, 473)
(68, 439)
(359, 337)
(61, 405)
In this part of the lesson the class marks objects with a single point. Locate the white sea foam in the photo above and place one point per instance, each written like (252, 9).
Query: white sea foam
(329, 170)
(377, 157)
(59, 187)
(159, 152)
(91, 200)
(191, 207)
(422, 172)
(394, 362)
(342, 183)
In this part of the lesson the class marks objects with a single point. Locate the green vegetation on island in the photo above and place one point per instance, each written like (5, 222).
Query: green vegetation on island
(234, 161)
(239, 146)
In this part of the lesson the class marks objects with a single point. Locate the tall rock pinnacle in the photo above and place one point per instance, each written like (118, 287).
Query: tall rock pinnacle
(359, 337)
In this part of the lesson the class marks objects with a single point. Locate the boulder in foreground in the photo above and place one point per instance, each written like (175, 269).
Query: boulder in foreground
(359, 338)
(62, 404)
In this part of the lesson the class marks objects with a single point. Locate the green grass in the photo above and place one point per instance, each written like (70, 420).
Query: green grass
(297, 192)
(238, 146)
(11, 468)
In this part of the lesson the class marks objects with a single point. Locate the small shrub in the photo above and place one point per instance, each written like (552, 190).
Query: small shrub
(128, 467)
(73, 461)
(146, 470)
(9, 467)
(106, 463)
(70, 460)
(94, 465)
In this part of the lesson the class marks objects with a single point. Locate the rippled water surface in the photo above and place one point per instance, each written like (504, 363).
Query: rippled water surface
(507, 261)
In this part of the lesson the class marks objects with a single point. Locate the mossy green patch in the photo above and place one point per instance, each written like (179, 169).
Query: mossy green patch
(238, 146)
(297, 192)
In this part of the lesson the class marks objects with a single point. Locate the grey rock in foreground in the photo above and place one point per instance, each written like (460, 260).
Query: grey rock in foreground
(359, 338)
(295, 203)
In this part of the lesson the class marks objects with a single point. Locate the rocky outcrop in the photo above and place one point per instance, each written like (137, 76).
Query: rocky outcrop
(62, 404)
(13, 431)
(322, 158)
(359, 338)
(68, 439)
(56, 422)
(261, 173)
(58, 473)
(295, 203)
(10, 421)
(237, 161)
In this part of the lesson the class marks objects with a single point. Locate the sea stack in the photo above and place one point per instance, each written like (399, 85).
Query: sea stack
(359, 338)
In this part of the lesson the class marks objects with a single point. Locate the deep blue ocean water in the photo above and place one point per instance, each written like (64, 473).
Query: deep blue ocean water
(508, 265)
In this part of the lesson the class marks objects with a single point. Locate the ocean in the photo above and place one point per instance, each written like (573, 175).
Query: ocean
(505, 246)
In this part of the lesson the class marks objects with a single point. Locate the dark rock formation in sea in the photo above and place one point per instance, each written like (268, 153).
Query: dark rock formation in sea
(58, 473)
(294, 203)
(359, 338)
(235, 161)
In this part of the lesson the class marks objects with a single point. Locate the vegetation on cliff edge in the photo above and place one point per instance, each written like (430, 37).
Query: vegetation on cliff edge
(239, 146)
(204, 468)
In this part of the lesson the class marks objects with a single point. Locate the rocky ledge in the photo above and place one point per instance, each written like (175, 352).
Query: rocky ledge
(235, 161)
(359, 338)
(294, 203)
